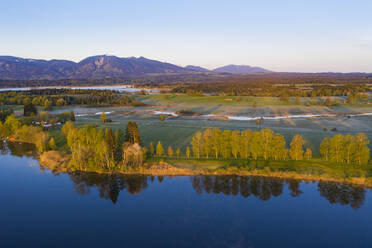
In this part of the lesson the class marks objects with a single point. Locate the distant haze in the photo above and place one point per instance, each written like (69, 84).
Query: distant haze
(240, 69)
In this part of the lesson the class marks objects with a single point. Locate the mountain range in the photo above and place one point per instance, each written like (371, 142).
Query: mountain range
(101, 66)
(240, 69)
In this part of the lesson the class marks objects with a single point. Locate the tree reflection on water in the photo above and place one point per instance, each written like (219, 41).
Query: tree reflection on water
(264, 188)
(109, 186)
(343, 194)
(18, 149)
(261, 187)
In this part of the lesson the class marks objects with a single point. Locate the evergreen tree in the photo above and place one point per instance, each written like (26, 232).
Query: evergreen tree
(72, 116)
(132, 134)
(111, 142)
(29, 109)
(119, 138)
(152, 149)
(136, 134)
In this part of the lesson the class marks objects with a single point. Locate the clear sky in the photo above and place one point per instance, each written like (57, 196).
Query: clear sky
(281, 35)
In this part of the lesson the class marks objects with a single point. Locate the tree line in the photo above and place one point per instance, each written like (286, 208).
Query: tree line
(353, 91)
(347, 149)
(64, 97)
(268, 145)
(107, 149)
(247, 144)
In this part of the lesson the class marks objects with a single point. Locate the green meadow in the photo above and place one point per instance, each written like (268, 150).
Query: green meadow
(177, 131)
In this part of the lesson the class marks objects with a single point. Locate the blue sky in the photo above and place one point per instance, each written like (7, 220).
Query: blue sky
(281, 35)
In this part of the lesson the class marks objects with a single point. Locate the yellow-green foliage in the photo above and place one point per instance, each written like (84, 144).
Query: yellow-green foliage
(35, 135)
(225, 144)
(102, 149)
(159, 149)
(9, 127)
(346, 149)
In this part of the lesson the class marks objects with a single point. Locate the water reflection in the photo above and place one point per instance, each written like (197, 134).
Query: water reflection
(18, 149)
(263, 188)
(343, 194)
(109, 186)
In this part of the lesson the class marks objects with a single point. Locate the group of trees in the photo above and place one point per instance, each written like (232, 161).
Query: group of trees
(107, 149)
(63, 97)
(284, 91)
(103, 148)
(12, 127)
(45, 117)
(4, 113)
(346, 149)
(90, 147)
(29, 109)
(248, 144)
(9, 126)
(267, 145)
(264, 144)
(132, 134)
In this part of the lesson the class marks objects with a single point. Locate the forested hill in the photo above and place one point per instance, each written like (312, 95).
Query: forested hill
(102, 66)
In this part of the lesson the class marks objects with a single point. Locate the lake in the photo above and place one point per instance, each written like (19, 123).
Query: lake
(42, 209)
(120, 88)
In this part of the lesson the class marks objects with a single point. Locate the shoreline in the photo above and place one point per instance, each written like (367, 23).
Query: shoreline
(58, 164)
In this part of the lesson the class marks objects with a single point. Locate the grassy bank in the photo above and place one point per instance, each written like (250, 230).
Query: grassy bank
(312, 170)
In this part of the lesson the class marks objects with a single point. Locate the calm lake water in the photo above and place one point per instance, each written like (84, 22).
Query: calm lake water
(41, 209)
(120, 88)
